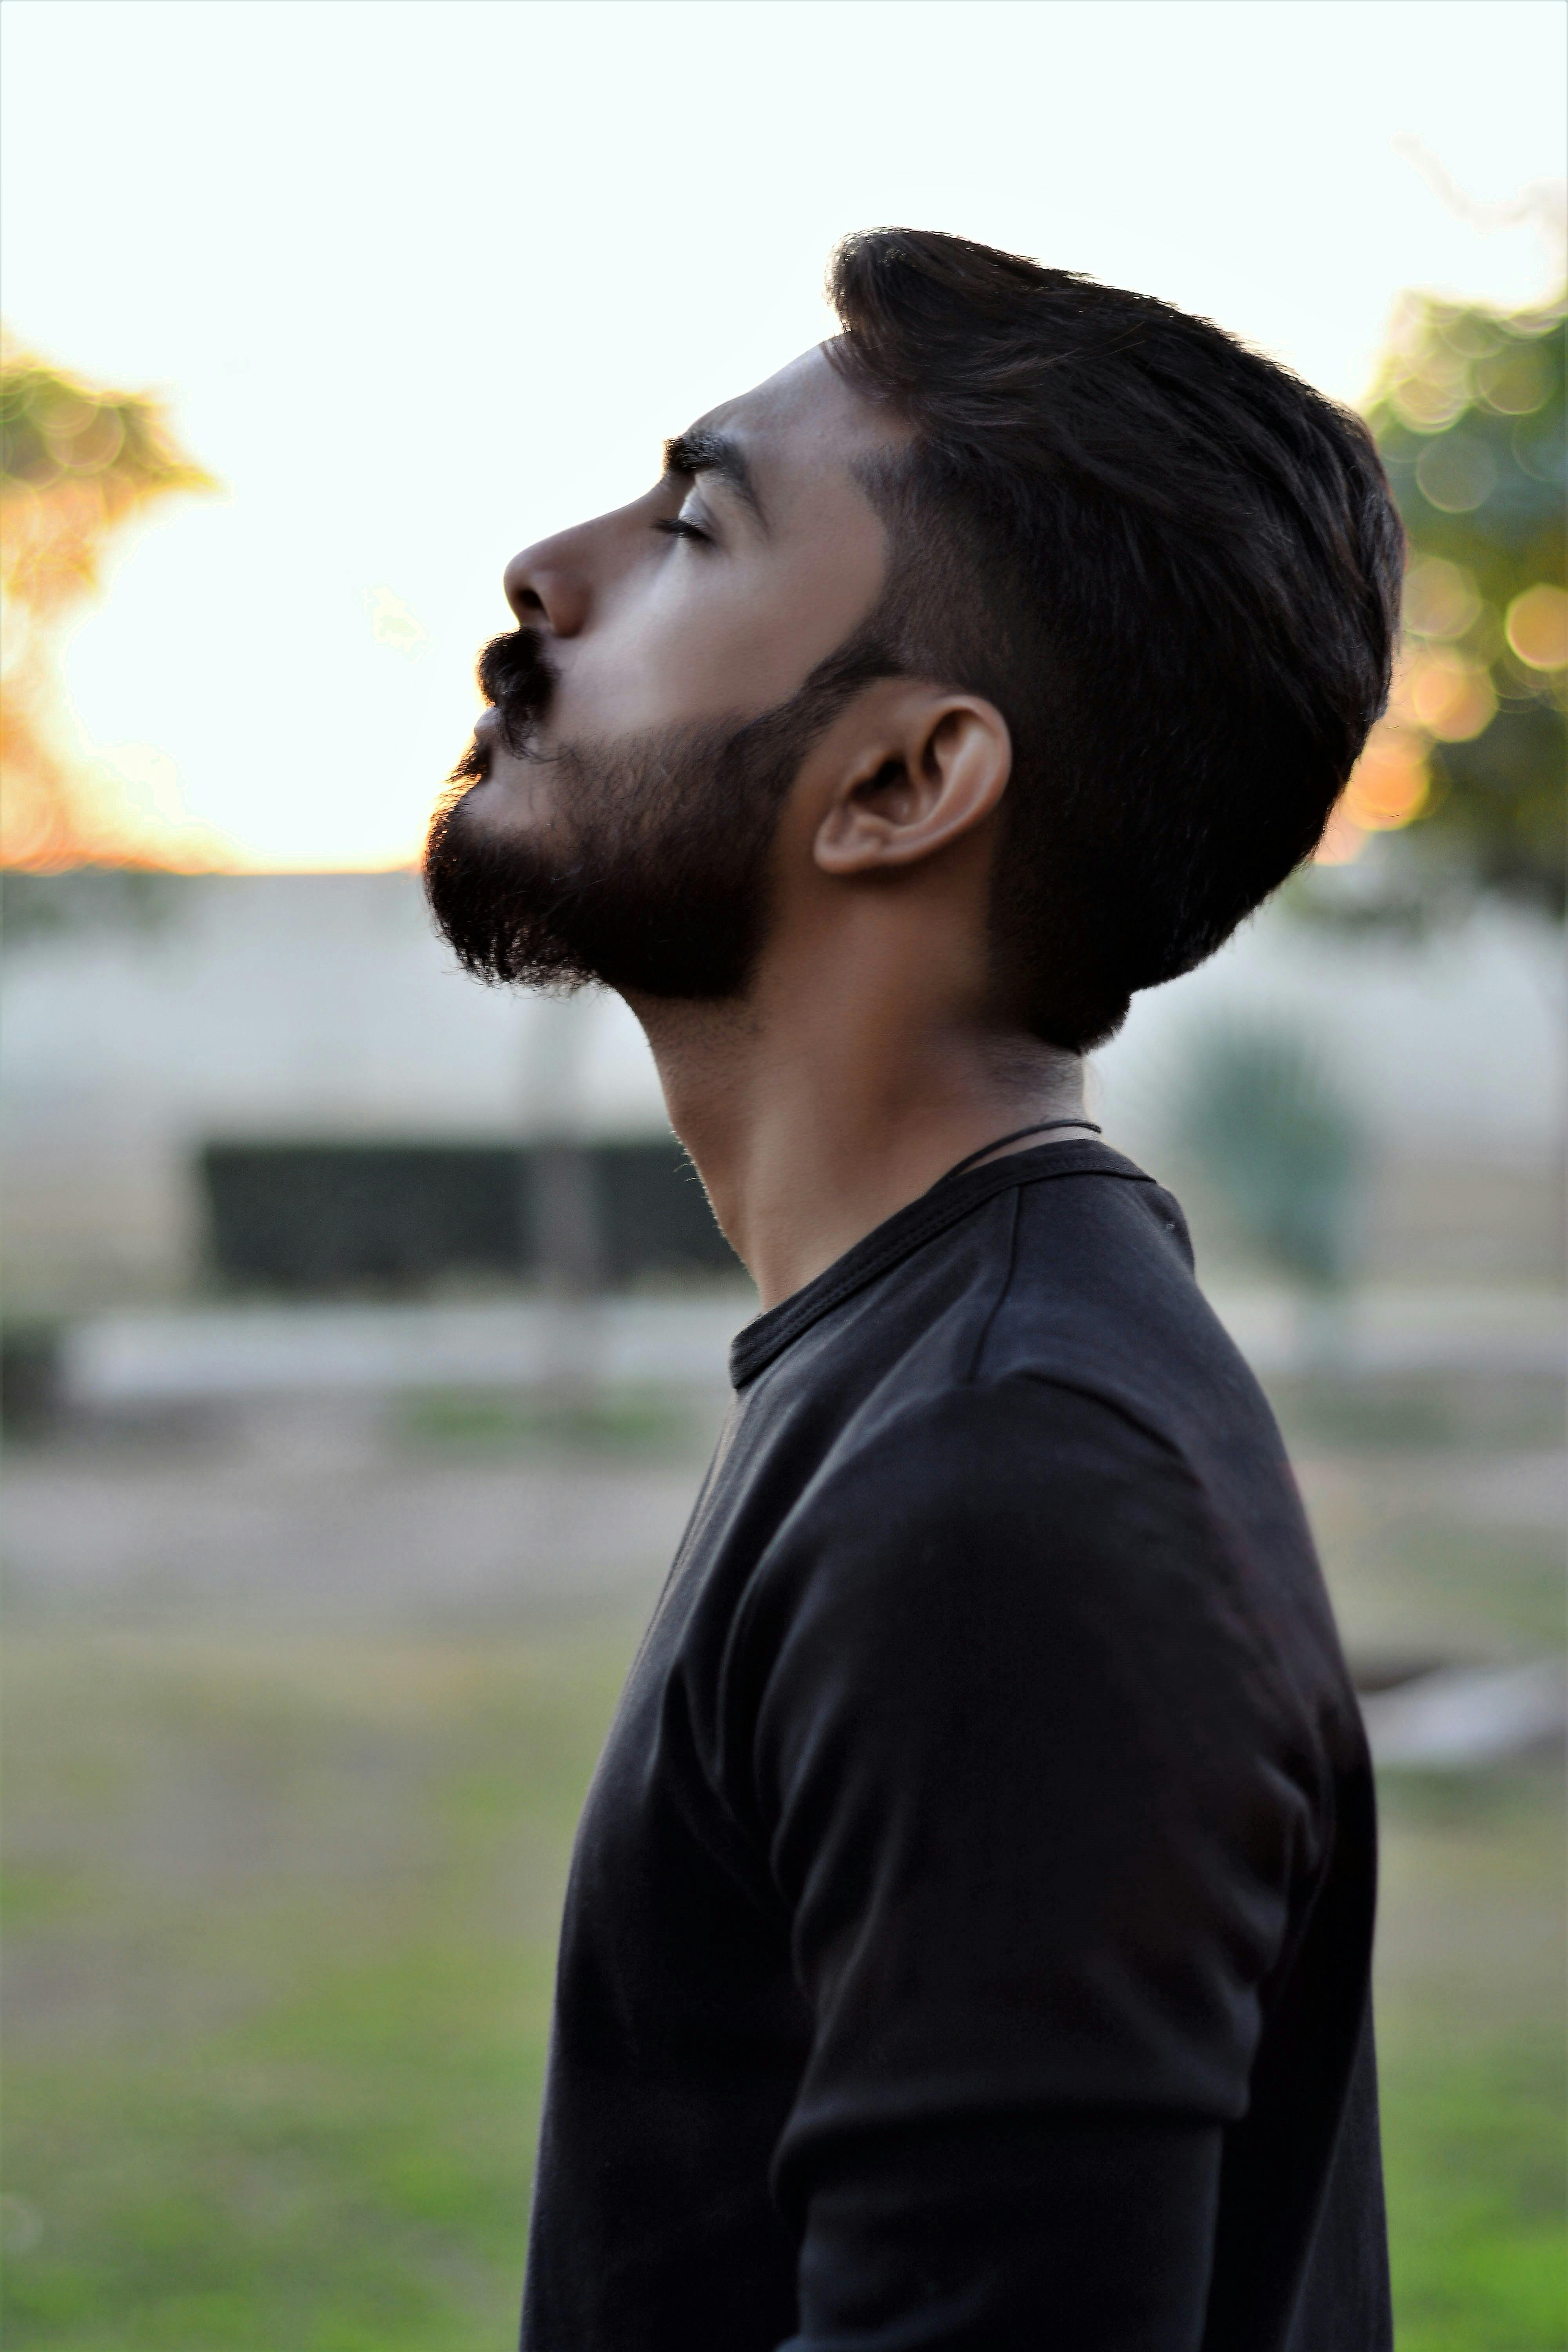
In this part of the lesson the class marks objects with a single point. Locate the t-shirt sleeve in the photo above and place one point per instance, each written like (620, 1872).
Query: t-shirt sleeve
(1022, 1782)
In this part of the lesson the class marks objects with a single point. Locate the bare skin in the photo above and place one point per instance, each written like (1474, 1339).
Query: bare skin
(868, 1053)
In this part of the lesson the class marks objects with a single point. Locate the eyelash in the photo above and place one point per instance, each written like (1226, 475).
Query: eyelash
(675, 527)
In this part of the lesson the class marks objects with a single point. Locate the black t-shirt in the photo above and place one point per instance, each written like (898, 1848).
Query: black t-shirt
(968, 1938)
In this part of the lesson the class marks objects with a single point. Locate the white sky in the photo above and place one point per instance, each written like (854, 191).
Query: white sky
(427, 278)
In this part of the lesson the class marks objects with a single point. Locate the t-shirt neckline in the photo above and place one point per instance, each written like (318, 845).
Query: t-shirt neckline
(950, 1199)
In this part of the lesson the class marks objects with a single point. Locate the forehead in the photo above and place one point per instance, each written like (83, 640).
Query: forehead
(806, 428)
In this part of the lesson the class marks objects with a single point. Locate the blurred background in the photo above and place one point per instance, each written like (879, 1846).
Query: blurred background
(366, 1331)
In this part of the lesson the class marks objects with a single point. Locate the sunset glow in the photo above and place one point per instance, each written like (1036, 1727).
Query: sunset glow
(398, 371)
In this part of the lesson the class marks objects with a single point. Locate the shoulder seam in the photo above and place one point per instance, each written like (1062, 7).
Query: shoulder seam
(1003, 1288)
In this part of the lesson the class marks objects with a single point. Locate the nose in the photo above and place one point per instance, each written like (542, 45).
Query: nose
(547, 585)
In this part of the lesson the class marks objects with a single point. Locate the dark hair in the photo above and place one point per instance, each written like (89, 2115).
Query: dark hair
(1172, 566)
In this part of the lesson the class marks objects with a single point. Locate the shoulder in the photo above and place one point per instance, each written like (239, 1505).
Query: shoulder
(1025, 1541)
(1018, 1600)
(1018, 1452)
(999, 1515)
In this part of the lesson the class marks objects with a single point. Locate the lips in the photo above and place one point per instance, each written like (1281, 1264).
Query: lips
(490, 735)
(516, 680)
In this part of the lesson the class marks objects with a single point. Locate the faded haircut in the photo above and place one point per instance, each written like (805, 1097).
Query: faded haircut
(1172, 566)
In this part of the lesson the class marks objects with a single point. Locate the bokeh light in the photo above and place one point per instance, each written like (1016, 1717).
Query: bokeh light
(1447, 694)
(1537, 627)
(1388, 788)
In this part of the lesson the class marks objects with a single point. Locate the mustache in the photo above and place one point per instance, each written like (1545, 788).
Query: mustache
(516, 679)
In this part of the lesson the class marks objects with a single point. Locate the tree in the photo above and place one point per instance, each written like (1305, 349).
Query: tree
(1469, 414)
(76, 462)
(1267, 1122)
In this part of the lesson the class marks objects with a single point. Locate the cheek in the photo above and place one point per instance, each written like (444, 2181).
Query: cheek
(698, 649)
(717, 644)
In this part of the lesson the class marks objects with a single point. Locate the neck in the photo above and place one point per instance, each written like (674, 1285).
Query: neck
(814, 1111)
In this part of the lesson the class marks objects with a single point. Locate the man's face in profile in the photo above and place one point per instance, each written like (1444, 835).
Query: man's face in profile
(623, 788)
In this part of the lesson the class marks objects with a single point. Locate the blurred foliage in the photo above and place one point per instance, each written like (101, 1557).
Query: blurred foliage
(77, 461)
(1469, 412)
(1282, 1147)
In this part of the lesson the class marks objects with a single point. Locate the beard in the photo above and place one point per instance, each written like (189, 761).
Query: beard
(653, 879)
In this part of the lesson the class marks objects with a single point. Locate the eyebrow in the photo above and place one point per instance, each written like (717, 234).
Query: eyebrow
(700, 451)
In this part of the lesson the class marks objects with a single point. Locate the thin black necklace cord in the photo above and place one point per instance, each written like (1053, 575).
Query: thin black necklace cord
(1037, 1127)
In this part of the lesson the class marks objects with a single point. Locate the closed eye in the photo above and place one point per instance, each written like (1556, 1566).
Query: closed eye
(677, 527)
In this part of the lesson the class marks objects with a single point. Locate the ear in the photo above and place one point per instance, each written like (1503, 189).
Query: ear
(934, 773)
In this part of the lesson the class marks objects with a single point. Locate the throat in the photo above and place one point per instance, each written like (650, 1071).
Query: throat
(806, 1143)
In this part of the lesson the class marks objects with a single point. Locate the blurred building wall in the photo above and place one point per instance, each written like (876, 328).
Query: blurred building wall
(300, 1006)
(323, 1006)
(1451, 1042)
(1445, 1051)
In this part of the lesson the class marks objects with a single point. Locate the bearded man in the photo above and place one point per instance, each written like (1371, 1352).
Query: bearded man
(967, 1942)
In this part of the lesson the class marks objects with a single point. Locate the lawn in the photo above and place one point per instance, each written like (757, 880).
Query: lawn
(282, 1920)
(1471, 2047)
(282, 1910)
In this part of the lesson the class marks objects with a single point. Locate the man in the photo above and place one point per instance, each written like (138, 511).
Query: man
(968, 1937)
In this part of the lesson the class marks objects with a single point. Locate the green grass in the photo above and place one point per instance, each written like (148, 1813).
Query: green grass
(281, 1915)
(283, 1936)
(1470, 1994)
(1383, 1412)
(1474, 2157)
(282, 1921)
(488, 1420)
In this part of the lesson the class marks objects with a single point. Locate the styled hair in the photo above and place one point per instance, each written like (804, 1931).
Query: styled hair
(1172, 566)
